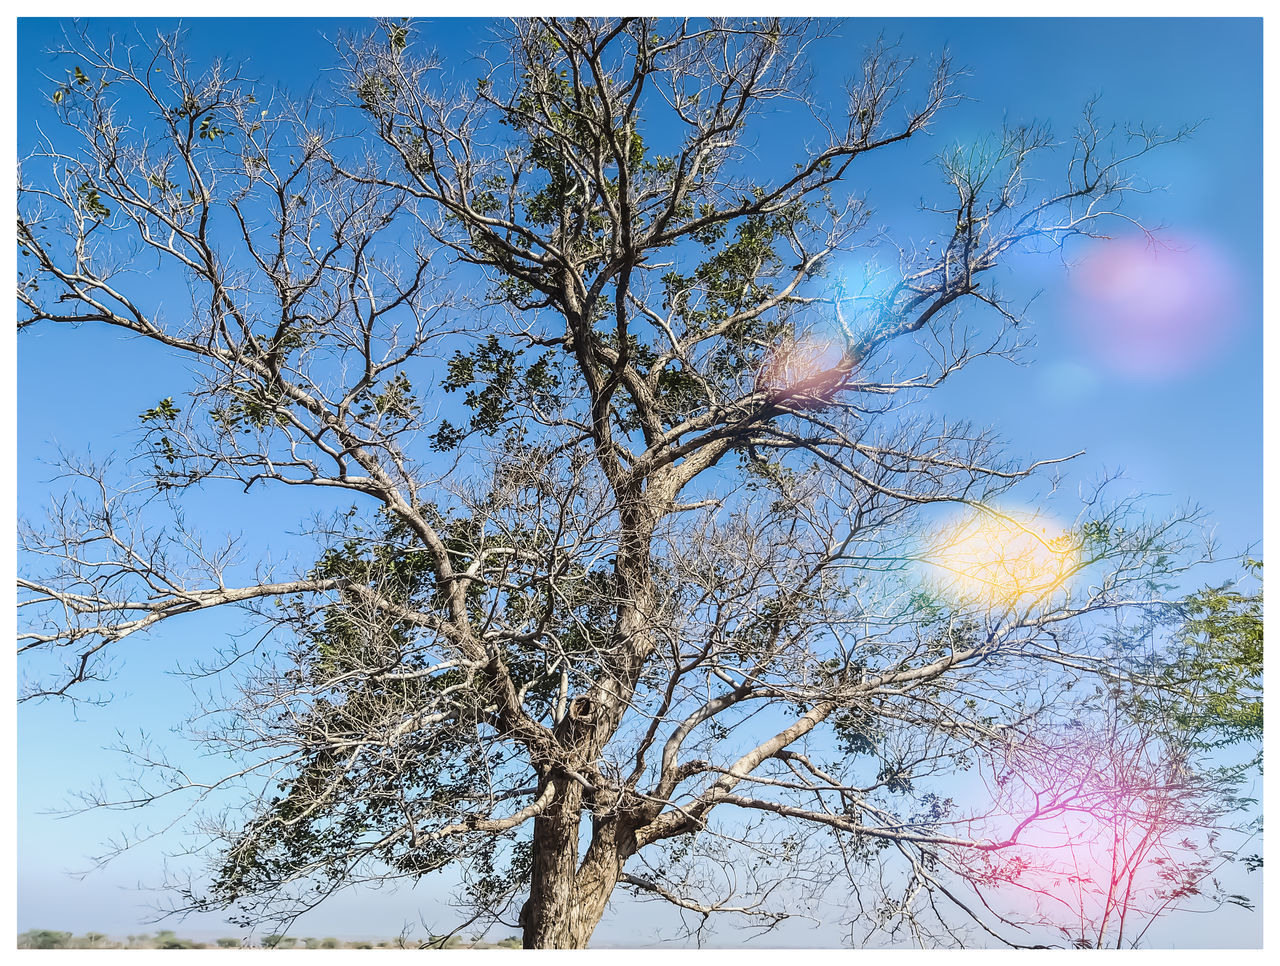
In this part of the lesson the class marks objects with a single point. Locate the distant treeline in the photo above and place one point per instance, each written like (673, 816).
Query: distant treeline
(167, 939)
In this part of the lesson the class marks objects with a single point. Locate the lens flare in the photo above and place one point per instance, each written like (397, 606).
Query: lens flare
(1151, 312)
(858, 291)
(1098, 816)
(807, 363)
(1002, 559)
(819, 355)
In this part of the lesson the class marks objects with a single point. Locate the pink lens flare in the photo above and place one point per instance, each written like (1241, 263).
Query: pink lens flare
(808, 363)
(1154, 312)
(1097, 818)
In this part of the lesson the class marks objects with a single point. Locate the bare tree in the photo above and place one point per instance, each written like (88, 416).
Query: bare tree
(1130, 826)
(643, 583)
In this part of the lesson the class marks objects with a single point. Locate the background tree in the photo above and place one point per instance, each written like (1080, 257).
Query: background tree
(168, 939)
(1139, 808)
(635, 596)
(1206, 689)
(43, 939)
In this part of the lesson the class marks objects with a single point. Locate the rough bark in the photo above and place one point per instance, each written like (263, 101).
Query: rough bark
(551, 917)
(567, 899)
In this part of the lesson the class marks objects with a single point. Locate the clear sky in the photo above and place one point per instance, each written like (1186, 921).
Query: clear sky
(1150, 366)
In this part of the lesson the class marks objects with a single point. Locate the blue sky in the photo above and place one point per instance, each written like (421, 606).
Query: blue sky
(1188, 429)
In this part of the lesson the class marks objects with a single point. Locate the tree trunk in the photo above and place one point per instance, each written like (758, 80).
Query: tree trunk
(567, 900)
(550, 917)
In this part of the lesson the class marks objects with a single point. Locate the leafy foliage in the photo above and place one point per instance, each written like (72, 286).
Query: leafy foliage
(1206, 686)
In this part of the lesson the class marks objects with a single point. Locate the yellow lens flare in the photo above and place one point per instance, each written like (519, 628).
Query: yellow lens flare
(1001, 559)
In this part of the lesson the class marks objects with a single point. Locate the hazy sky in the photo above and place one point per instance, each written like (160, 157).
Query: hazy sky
(1152, 366)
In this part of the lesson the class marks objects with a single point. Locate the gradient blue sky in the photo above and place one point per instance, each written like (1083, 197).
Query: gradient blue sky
(1189, 432)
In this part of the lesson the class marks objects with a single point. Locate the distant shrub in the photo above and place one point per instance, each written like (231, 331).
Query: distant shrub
(167, 939)
(43, 939)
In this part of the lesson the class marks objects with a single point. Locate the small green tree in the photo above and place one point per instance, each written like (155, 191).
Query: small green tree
(229, 942)
(43, 939)
(1208, 685)
(167, 939)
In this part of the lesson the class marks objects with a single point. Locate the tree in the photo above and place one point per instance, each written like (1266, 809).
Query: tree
(1138, 809)
(636, 601)
(1207, 688)
(43, 939)
(168, 939)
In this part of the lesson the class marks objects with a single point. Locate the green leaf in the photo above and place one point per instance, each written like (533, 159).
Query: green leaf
(163, 411)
